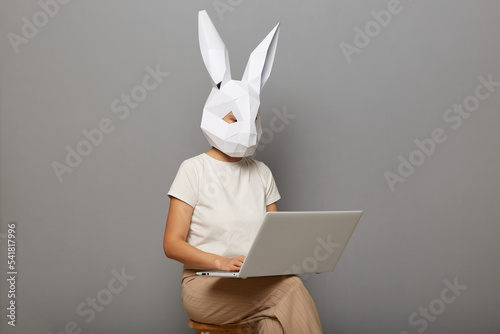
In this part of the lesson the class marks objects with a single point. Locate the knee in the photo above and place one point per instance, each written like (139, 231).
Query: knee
(295, 288)
(293, 281)
(269, 325)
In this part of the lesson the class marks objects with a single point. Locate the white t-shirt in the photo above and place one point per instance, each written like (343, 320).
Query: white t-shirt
(229, 201)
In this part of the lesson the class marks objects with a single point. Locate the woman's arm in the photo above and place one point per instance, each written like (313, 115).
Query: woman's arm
(176, 247)
(272, 207)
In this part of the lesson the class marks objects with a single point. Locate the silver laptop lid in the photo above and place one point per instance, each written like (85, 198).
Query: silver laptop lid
(297, 242)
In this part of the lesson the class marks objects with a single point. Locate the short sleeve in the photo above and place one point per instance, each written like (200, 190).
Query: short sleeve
(272, 193)
(186, 183)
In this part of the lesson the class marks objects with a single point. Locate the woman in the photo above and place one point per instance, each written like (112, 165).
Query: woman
(219, 198)
(217, 205)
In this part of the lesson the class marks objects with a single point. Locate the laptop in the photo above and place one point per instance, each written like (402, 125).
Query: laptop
(296, 242)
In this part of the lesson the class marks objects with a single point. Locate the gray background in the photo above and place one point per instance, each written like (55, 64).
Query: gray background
(352, 122)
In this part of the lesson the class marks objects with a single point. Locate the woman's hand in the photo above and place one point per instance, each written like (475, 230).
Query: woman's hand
(230, 263)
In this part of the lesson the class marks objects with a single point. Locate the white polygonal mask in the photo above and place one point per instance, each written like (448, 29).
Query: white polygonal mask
(239, 139)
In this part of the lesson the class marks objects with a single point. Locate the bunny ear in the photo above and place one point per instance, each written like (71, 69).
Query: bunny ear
(261, 61)
(213, 50)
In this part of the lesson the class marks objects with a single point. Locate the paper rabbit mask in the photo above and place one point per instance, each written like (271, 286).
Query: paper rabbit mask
(239, 139)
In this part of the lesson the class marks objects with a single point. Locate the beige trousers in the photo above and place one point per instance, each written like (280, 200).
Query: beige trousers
(271, 305)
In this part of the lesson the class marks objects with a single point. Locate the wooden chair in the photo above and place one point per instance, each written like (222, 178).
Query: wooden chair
(202, 328)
